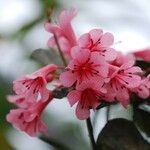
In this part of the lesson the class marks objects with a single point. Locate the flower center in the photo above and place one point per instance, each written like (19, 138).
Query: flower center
(86, 69)
(34, 84)
(92, 46)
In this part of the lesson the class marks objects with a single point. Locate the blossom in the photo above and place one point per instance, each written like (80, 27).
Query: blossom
(143, 90)
(19, 100)
(29, 119)
(64, 32)
(88, 95)
(122, 59)
(100, 42)
(84, 66)
(123, 79)
(144, 54)
(33, 87)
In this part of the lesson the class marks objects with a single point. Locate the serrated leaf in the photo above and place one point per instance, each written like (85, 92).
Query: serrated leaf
(121, 134)
(45, 57)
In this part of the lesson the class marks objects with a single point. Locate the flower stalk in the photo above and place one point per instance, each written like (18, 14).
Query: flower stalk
(90, 131)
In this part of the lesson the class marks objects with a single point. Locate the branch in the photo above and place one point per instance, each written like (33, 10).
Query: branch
(60, 51)
(90, 131)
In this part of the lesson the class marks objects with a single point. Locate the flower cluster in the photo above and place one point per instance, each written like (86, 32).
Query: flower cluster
(31, 97)
(95, 73)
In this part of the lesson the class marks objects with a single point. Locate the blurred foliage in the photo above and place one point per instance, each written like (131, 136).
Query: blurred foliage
(4, 109)
(6, 83)
(44, 57)
(70, 134)
(46, 5)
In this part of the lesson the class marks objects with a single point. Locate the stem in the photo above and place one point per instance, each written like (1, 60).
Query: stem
(54, 143)
(90, 131)
(60, 52)
(107, 113)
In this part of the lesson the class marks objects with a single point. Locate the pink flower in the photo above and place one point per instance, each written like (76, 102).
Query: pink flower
(122, 59)
(88, 95)
(143, 90)
(33, 87)
(124, 79)
(83, 67)
(144, 54)
(29, 119)
(100, 42)
(19, 100)
(64, 32)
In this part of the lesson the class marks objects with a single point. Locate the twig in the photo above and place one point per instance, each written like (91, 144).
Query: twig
(107, 113)
(90, 131)
(60, 51)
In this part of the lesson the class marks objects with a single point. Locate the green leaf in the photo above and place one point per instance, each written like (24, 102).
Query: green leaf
(121, 134)
(45, 57)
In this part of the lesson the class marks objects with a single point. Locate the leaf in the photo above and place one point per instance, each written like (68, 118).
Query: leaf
(121, 134)
(45, 57)
(143, 64)
(142, 118)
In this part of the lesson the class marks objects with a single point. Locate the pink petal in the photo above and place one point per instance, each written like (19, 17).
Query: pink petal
(111, 93)
(133, 69)
(81, 55)
(51, 42)
(42, 127)
(19, 100)
(102, 65)
(107, 39)
(130, 82)
(127, 65)
(84, 40)
(123, 96)
(82, 113)
(67, 78)
(65, 45)
(95, 34)
(143, 92)
(52, 28)
(66, 16)
(84, 85)
(28, 116)
(73, 97)
(110, 54)
(65, 23)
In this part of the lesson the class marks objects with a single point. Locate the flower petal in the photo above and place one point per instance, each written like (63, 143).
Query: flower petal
(82, 113)
(67, 78)
(131, 81)
(73, 97)
(95, 34)
(107, 39)
(81, 55)
(84, 40)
